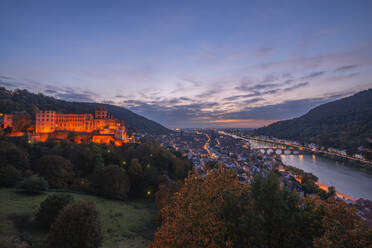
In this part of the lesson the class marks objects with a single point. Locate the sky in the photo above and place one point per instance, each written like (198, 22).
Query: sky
(190, 63)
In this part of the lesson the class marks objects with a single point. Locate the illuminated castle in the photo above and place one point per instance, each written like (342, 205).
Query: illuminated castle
(102, 128)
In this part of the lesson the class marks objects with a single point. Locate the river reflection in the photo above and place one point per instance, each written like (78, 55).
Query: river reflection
(346, 179)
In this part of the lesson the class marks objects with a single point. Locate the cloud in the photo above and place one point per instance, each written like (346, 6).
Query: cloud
(263, 52)
(209, 93)
(5, 77)
(269, 81)
(361, 55)
(253, 100)
(108, 102)
(296, 86)
(285, 110)
(240, 122)
(255, 90)
(74, 94)
(76, 97)
(342, 77)
(206, 114)
(313, 75)
(50, 92)
(194, 82)
(7, 84)
(346, 67)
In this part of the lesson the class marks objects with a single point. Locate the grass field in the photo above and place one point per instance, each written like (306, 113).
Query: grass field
(124, 224)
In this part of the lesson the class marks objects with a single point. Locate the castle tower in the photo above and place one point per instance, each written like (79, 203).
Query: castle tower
(101, 112)
(45, 121)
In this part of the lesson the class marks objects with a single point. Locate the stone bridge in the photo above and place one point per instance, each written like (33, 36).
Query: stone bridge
(278, 150)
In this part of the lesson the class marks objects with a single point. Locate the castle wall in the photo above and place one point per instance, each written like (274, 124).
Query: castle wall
(8, 120)
(74, 122)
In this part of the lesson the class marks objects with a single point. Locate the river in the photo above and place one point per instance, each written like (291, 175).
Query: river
(346, 179)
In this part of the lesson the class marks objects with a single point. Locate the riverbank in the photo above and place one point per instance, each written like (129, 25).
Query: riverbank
(364, 164)
(338, 194)
(346, 178)
(367, 168)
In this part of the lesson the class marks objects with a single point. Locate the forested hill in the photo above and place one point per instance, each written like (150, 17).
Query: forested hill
(22, 100)
(345, 123)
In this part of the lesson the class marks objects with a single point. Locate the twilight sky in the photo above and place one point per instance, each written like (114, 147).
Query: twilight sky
(190, 63)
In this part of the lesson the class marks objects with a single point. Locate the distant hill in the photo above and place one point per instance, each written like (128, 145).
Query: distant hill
(22, 100)
(345, 123)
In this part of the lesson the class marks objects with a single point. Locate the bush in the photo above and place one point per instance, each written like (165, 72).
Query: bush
(50, 208)
(77, 226)
(111, 181)
(34, 184)
(9, 176)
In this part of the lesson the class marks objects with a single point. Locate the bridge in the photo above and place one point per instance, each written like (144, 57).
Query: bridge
(278, 150)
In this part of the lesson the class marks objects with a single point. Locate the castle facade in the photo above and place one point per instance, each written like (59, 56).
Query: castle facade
(101, 127)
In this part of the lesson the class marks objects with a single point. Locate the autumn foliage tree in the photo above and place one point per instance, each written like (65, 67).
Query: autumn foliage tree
(220, 211)
(193, 217)
(343, 228)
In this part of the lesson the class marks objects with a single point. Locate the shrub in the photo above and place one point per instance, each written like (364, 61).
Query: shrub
(50, 208)
(77, 226)
(111, 181)
(9, 176)
(34, 184)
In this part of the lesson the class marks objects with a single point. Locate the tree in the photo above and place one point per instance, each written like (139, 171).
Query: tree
(180, 168)
(165, 194)
(135, 172)
(308, 181)
(278, 212)
(34, 184)
(313, 212)
(77, 226)
(135, 169)
(10, 154)
(219, 211)
(193, 218)
(85, 158)
(50, 208)
(56, 169)
(9, 176)
(111, 181)
(331, 192)
(343, 228)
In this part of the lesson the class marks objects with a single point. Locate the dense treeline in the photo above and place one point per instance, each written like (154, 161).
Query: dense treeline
(220, 211)
(116, 172)
(345, 123)
(24, 101)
